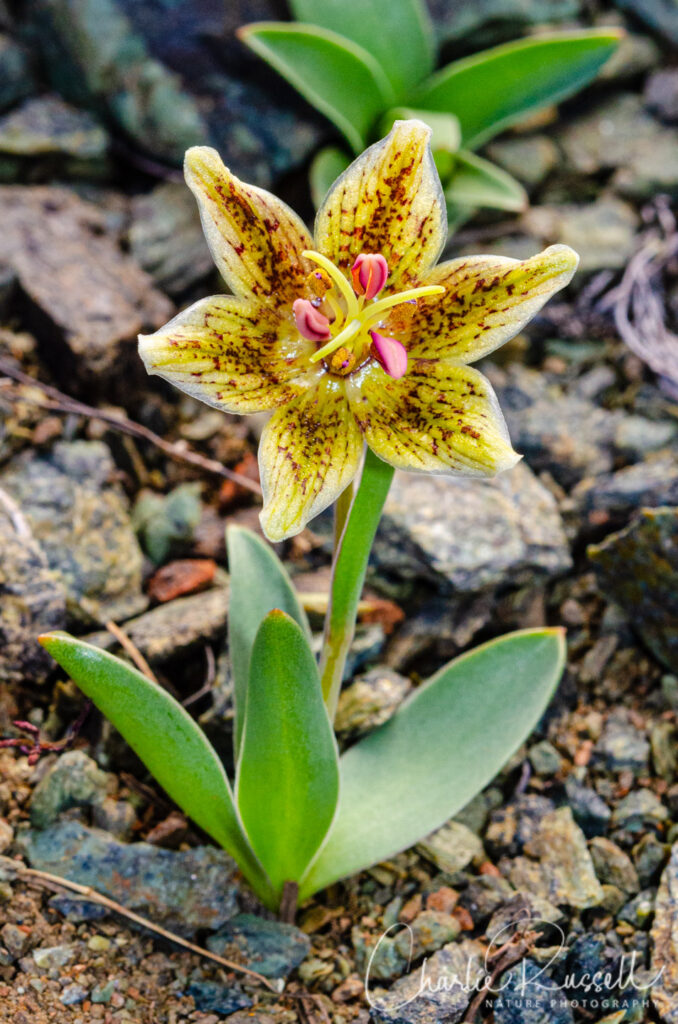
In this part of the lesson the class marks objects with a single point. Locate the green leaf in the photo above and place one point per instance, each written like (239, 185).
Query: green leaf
(162, 733)
(476, 182)
(259, 583)
(341, 79)
(439, 749)
(326, 167)
(399, 35)
(498, 87)
(348, 576)
(288, 773)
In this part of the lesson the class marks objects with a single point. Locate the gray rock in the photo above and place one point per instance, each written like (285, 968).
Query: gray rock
(639, 910)
(184, 890)
(525, 998)
(378, 955)
(565, 862)
(73, 994)
(430, 930)
(640, 809)
(173, 76)
(649, 483)
(603, 232)
(529, 158)
(370, 701)
(484, 896)
(637, 568)
(81, 522)
(661, 94)
(622, 746)
(167, 240)
(86, 299)
(659, 15)
(16, 76)
(619, 134)
(524, 911)
(664, 965)
(545, 759)
(167, 522)
(505, 528)
(46, 125)
(443, 999)
(75, 780)
(214, 997)
(55, 956)
(32, 599)
(452, 847)
(78, 908)
(588, 808)
(15, 941)
(613, 866)
(176, 627)
(271, 948)
(515, 824)
(649, 855)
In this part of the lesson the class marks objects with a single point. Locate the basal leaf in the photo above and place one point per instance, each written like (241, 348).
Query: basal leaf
(442, 746)
(476, 182)
(328, 164)
(341, 79)
(259, 583)
(162, 733)
(288, 772)
(498, 87)
(399, 35)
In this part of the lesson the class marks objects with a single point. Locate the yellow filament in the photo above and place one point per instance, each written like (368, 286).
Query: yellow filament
(349, 332)
(336, 309)
(352, 308)
(379, 308)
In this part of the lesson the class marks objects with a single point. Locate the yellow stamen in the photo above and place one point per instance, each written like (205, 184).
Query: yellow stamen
(379, 308)
(349, 332)
(336, 309)
(338, 278)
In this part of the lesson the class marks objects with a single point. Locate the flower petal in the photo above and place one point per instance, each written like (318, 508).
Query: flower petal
(389, 201)
(231, 354)
(308, 455)
(442, 417)
(487, 301)
(255, 239)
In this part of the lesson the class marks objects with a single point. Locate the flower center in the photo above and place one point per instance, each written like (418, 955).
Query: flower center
(349, 331)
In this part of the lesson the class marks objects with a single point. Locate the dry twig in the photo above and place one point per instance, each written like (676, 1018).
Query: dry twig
(128, 645)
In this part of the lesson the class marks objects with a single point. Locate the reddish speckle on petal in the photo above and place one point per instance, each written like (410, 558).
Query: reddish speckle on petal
(310, 322)
(369, 274)
(390, 354)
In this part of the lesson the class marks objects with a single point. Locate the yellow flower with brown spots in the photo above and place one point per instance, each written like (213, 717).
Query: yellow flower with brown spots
(355, 336)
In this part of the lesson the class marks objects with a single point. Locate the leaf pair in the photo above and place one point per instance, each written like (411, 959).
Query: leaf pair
(357, 61)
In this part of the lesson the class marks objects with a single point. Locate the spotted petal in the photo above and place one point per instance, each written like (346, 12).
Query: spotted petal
(308, 455)
(388, 201)
(487, 301)
(255, 239)
(442, 417)
(231, 354)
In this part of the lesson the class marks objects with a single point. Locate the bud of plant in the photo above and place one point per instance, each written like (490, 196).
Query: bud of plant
(390, 354)
(311, 323)
(369, 274)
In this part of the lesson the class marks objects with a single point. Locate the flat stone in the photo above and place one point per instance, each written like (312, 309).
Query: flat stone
(75, 780)
(47, 125)
(530, 158)
(640, 809)
(85, 300)
(80, 520)
(508, 527)
(271, 948)
(565, 861)
(167, 240)
(664, 966)
(184, 891)
(32, 599)
(443, 998)
(613, 866)
(174, 628)
(370, 701)
(622, 746)
(48, 957)
(452, 847)
(78, 908)
(603, 232)
(636, 568)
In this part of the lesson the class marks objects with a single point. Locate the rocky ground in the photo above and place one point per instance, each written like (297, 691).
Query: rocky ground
(101, 527)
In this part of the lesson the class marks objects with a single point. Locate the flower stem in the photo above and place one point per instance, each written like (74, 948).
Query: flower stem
(352, 550)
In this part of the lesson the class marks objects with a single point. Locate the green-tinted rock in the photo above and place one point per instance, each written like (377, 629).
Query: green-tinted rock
(664, 744)
(167, 240)
(565, 862)
(370, 701)
(166, 522)
(430, 930)
(81, 521)
(271, 948)
(545, 759)
(637, 569)
(46, 125)
(613, 866)
(75, 780)
(641, 808)
(452, 847)
(639, 910)
(530, 159)
(602, 232)
(622, 746)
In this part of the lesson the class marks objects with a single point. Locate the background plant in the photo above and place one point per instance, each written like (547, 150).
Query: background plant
(366, 63)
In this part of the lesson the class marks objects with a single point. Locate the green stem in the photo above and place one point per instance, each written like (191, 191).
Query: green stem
(351, 552)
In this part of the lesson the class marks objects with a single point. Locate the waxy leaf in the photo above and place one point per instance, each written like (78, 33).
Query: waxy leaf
(476, 182)
(440, 748)
(327, 165)
(341, 79)
(498, 87)
(259, 583)
(162, 733)
(399, 35)
(288, 773)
